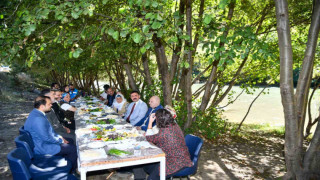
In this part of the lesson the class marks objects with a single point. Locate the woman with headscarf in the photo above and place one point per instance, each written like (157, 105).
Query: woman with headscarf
(120, 104)
(170, 139)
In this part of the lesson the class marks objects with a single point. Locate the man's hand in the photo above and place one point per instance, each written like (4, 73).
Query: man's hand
(65, 141)
(67, 130)
(138, 128)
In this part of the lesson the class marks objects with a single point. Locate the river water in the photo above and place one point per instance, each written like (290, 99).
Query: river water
(267, 109)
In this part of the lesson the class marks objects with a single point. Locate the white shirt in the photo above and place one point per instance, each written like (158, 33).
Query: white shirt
(65, 106)
(104, 95)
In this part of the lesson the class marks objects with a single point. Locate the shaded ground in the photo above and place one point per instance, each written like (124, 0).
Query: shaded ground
(255, 155)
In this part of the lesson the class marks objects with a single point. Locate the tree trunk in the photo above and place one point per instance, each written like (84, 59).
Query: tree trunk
(292, 150)
(146, 69)
(188, 78)
(131, 80)
(311, 161)
(163, 69)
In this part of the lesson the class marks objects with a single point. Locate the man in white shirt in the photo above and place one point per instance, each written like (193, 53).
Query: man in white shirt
(136, 110)
(104, 95)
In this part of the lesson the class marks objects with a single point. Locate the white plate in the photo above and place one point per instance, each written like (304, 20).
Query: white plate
(95, 145)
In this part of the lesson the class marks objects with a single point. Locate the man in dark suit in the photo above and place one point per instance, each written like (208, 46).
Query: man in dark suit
(155, 105)
(45, 139)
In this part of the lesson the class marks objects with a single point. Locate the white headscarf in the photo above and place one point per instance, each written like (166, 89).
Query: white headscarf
(119, 105)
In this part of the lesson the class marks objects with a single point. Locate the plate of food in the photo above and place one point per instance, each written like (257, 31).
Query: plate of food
(92, 154)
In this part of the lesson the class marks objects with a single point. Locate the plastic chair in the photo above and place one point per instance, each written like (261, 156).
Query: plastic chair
(22, 131)
(47, 162)
(194, 145)
(22, 168)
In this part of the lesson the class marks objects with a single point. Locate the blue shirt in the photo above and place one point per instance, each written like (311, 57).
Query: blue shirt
(145, 121)
(73, 93)
(138, 113)
(45, 139)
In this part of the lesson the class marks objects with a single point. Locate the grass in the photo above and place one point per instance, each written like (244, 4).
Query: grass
(267, 129)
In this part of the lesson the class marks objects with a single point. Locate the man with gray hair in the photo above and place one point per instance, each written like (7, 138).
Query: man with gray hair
(155, 105)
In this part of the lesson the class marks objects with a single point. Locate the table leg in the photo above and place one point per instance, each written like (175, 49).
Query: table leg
(83, 174)
(163, 168)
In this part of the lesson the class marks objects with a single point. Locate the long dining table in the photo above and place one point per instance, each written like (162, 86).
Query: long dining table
(106, 141)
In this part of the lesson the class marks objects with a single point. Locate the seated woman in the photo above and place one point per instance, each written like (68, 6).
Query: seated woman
(120, 104)
(170, 139)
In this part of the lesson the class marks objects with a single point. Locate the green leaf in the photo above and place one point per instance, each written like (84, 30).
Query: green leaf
(176, 15)
(77, 52)
(156, 25)
(159, 18)
(207, 19)
(143, 50)
(149, 16)
(160, 33)
(110, 32)
(70, 54)
(154, 4)
(145, 28)
(115, 35)
(104, 2)
(186, 65)
(75, 15)
(123, 33)
(136, 37)
(122, 10)
(27, 33)
(1, 16)
(32, 27)
(223, 4)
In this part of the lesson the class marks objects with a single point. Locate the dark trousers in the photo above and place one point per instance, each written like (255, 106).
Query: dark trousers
(69, 151)
(152, 169)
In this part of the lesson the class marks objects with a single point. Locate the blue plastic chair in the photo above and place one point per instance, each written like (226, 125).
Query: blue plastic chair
(22, 168)
(22, 131)
(47, 162)
(194, 144)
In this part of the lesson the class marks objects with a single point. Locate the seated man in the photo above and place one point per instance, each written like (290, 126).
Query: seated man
(111, 96)
(136, 110)
(66, 118)
(74, 93)
(155, 105)
(55, 86)
(45, 139)
(53, 118)
(104, 95)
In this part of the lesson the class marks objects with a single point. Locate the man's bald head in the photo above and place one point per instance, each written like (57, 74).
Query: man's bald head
(154, 102)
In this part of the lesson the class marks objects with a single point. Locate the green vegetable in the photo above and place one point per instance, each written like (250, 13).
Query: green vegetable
(95, 110)
(101, 122)
(117, 152)
(112, 121)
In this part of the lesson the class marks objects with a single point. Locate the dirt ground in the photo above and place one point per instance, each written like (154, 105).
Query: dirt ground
(256, 156)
